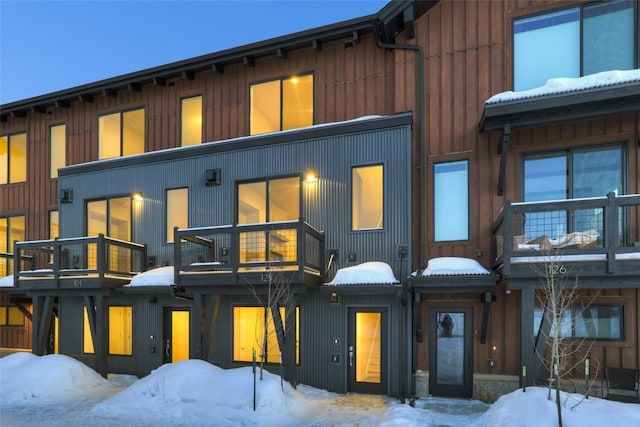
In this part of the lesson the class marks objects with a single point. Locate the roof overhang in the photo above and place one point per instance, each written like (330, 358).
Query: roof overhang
(473, 283)
(363, 289)
(554, 108)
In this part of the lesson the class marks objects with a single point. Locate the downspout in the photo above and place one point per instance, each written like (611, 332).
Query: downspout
(422, 208)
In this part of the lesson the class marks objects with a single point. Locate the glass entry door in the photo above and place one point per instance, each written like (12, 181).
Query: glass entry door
(176, 335)
(451, 352)
(367, 350)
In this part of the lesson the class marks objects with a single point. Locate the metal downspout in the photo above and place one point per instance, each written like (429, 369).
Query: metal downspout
(422, 208)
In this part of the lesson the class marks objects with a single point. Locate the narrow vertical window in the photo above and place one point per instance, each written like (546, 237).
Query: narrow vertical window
(13, 158)
(57, 149)
(121, 134)
(451, 201)
(367, 197)
(191, 121)
(177, 210)
(54, 225)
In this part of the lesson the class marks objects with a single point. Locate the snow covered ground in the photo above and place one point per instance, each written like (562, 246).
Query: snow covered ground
(57, 390)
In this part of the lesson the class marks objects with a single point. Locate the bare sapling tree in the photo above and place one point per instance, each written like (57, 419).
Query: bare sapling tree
(562, 304)
(279, 313)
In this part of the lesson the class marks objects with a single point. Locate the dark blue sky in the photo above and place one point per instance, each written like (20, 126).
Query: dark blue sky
(46, 46)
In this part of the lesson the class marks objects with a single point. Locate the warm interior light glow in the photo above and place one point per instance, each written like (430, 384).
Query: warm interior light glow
(311, 177)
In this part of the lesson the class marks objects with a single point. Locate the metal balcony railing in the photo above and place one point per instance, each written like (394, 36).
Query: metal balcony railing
(225, 254)
(601, 232)
(95, 262)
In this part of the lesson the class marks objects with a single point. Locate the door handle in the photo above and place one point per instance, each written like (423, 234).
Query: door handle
(167, 350)
(350, 355)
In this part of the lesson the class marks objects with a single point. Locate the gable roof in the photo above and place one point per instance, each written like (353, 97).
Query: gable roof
(394, 17)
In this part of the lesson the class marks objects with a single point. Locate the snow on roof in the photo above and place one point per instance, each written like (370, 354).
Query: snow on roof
(373, 272)
(454, 266)
(6, 282)
(565, 85)
(161, 276)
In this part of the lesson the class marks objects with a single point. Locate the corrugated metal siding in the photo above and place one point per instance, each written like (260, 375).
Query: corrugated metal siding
(326, 204)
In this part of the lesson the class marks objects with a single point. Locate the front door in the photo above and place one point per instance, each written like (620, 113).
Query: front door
(176, 334)
(451, 352)
(367, 350)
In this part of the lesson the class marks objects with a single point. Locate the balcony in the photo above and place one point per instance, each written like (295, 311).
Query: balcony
(7, 264)
(592, 238)
(250, 254)
(82, 262)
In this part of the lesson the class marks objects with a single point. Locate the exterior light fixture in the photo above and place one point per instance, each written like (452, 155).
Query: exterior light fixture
(311, 177)
(334, 298)
(137, 196)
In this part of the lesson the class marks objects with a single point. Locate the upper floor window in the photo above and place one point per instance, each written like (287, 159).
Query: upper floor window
(451, 201)
(177, 210)
(57, 149)
(281, 104)
(54, 224)
(191, 121)
(367, 197)
(11, 228)
(570, 174)
(121, 134)
(574, 42)
(275, 199)
(13, 158)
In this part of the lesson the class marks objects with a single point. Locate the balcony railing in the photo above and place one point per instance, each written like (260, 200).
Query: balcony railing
(598, 236)
(7, 263)
(248, 253)
(82, 262)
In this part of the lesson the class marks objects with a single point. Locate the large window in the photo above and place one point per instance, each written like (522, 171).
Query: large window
(121, 134)
(10, 315)
(282, 104)
(191, 121)
(11, 228)
(594, 321)
(571, 174)
(249, 334)
(120, 331)
(574, 42)
(13, 158)
(271, 200)
(57, 149)
(177, 210)
(451, 201)
(111, 217)
(367, 197)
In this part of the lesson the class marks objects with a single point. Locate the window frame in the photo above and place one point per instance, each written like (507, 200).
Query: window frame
(5, 316)
(351, 195)
(270, 315)
(434, 164)
(575, 310)
(108, 212)
(182, 117)
(8, 137)
(8, 241)
(85, 333)
(266, 181)
(281, 81)
(580, 7)
(169, 236)
(121, 113)
(57, 149)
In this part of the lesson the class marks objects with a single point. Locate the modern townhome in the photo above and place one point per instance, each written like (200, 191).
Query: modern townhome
(377, 205)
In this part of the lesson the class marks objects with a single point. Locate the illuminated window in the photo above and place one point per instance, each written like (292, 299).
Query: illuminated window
(249, 334)
(57, 149)
(11, 316)
(11, 228)
(120, 331)
(121, 134)
(54, 225)
(13, 158)
(177, 210)
(191, 121)
(367, 197)
(451, 201)
(111, 217)
(282, 104)
(574, 42)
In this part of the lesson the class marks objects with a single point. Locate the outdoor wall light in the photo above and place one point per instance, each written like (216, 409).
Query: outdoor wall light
(311, 177)
(137, 196)
(66, 195)
(334, 298)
